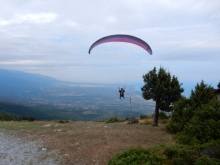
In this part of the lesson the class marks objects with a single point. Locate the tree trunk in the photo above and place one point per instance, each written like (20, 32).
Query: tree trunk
(156, 115)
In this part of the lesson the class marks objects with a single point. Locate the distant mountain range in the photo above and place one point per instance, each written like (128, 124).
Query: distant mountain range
(17, 83)
(53, 98)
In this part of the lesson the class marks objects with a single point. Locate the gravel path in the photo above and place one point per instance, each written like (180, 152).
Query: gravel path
(16, 151)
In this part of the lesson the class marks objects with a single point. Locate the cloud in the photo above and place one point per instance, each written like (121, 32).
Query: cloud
(22, 62)
(30, 18)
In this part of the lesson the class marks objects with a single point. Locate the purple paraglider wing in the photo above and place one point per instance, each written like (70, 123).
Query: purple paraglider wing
(122, 38)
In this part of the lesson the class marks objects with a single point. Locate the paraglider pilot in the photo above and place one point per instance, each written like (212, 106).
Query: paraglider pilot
(121, 91)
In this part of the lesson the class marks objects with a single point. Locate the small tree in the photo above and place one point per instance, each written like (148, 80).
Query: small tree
(162, 88)
(218, 85)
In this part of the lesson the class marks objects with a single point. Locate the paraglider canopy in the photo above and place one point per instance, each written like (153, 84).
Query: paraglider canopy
(122, 38)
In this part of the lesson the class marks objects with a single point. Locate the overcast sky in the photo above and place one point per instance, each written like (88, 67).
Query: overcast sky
(52, 37)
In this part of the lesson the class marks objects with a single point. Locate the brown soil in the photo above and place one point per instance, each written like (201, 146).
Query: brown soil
(94, 142)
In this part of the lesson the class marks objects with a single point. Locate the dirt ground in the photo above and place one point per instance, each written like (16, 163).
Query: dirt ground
(91, 143)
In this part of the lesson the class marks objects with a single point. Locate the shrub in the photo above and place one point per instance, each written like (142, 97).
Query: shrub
(185, 110)
(144, 116)
(28, 118)
(182, 113)
(127, 118)
(202, 94)
(8, 117)
(63, 121)
(208, 153)
(205, 160)
(136, 156)
(181, 138)
(113, 120)
(204, 125)
(180, 154)
(158, 155)
(174, 127)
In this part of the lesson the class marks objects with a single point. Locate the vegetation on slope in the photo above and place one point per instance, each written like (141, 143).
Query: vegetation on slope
(9, 117)
(22, 110)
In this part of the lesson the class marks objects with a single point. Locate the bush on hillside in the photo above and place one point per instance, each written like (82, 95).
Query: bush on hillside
(169, 154)
(181, 114)
(205, 160)
(144, 116)
(28, 118)
(185, 109)
(63, 121)
(204, 125)
(8, 117)
(113, 120)
(137, 156)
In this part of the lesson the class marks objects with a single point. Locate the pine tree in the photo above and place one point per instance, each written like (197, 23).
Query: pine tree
(162, 88)
(202, 94)
(186, 108)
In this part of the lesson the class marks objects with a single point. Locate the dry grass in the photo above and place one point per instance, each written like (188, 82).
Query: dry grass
(89, 142)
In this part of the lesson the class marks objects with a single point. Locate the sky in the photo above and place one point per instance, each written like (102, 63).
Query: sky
(52, 38)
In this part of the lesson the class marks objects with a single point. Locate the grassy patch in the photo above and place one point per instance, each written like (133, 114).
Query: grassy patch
(15, 125)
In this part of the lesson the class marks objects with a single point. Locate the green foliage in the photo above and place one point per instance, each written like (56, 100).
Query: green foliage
(185, 109)
(180, 154)
(163, 115)
(41, 113)
(10, 117)
(163, 88)
(218, 85)
(22, 110)
(202, 94)
(182, 113)
(169, 154)
(29, 118)
(206, 160)
(204, 125)
(137, 156)
(172, 155)
(182, 138)
(209, 153)
(63, 121)
(113, 120)
(144, 116)
(211, 149)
